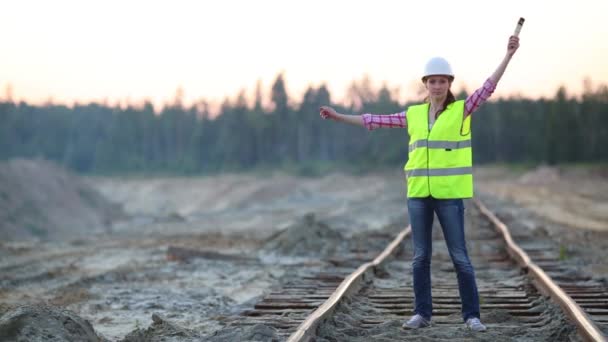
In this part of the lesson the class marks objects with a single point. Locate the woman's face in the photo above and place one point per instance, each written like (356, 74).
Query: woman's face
(437, 86)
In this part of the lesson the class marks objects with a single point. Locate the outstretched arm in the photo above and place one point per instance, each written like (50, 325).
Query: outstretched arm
(327, 112)
(511, 48)
(369, 121)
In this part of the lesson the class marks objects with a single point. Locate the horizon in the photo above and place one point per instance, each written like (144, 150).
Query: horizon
(214, 105)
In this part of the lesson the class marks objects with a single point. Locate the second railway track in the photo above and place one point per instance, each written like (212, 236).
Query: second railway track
(516, 302)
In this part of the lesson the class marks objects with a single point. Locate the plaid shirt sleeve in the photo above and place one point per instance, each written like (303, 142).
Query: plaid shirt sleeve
(399, 120)
(478, 97)
(373, 121)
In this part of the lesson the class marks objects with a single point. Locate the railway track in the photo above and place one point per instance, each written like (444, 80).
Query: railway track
(525, 294)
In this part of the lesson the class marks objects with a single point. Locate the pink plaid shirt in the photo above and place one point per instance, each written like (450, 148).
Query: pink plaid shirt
(399, 120)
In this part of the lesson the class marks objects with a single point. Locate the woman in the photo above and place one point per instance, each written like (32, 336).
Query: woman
(439, 176)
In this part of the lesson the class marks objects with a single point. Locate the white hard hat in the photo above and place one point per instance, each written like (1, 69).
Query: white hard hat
(437, 66)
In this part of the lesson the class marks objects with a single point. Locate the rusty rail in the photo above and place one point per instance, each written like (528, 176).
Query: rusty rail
(587, 328)
(350, 284)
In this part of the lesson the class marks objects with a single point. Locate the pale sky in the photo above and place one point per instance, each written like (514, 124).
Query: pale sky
(116, 50)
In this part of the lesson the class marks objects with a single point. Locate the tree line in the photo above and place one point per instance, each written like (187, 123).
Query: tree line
(97, 138)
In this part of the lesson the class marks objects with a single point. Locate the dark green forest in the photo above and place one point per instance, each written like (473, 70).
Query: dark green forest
(102, 139)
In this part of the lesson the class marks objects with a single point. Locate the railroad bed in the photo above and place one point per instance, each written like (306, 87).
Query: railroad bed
(372, 305)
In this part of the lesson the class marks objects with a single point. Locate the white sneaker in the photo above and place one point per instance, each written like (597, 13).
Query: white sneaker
(475, 324)
(416, 322)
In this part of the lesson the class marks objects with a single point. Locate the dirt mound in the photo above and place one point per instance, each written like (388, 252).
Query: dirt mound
(305, 238)
(258, 332)
(162, 330)
(42, 200)
(540, 175)
(34, 323)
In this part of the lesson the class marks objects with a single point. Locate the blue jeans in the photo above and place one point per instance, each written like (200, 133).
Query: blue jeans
(451, 216)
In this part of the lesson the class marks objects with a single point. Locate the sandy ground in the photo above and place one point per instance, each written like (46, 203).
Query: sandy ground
(119, 278)
(256, 205)
(567, 206)
(572, 196)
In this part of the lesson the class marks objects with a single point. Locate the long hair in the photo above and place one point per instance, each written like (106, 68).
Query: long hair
(448, 99)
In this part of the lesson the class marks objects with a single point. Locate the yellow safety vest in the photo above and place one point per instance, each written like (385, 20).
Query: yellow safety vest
(440, 160)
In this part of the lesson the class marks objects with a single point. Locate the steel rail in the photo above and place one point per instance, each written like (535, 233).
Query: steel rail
(350, 284)
(587, 328)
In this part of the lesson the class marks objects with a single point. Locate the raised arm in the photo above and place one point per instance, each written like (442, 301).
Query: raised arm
(482, 94)
(511, 48)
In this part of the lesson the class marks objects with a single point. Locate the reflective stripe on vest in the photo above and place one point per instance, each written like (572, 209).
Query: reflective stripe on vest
(440, 160)
(455, 171)
(451, 145)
